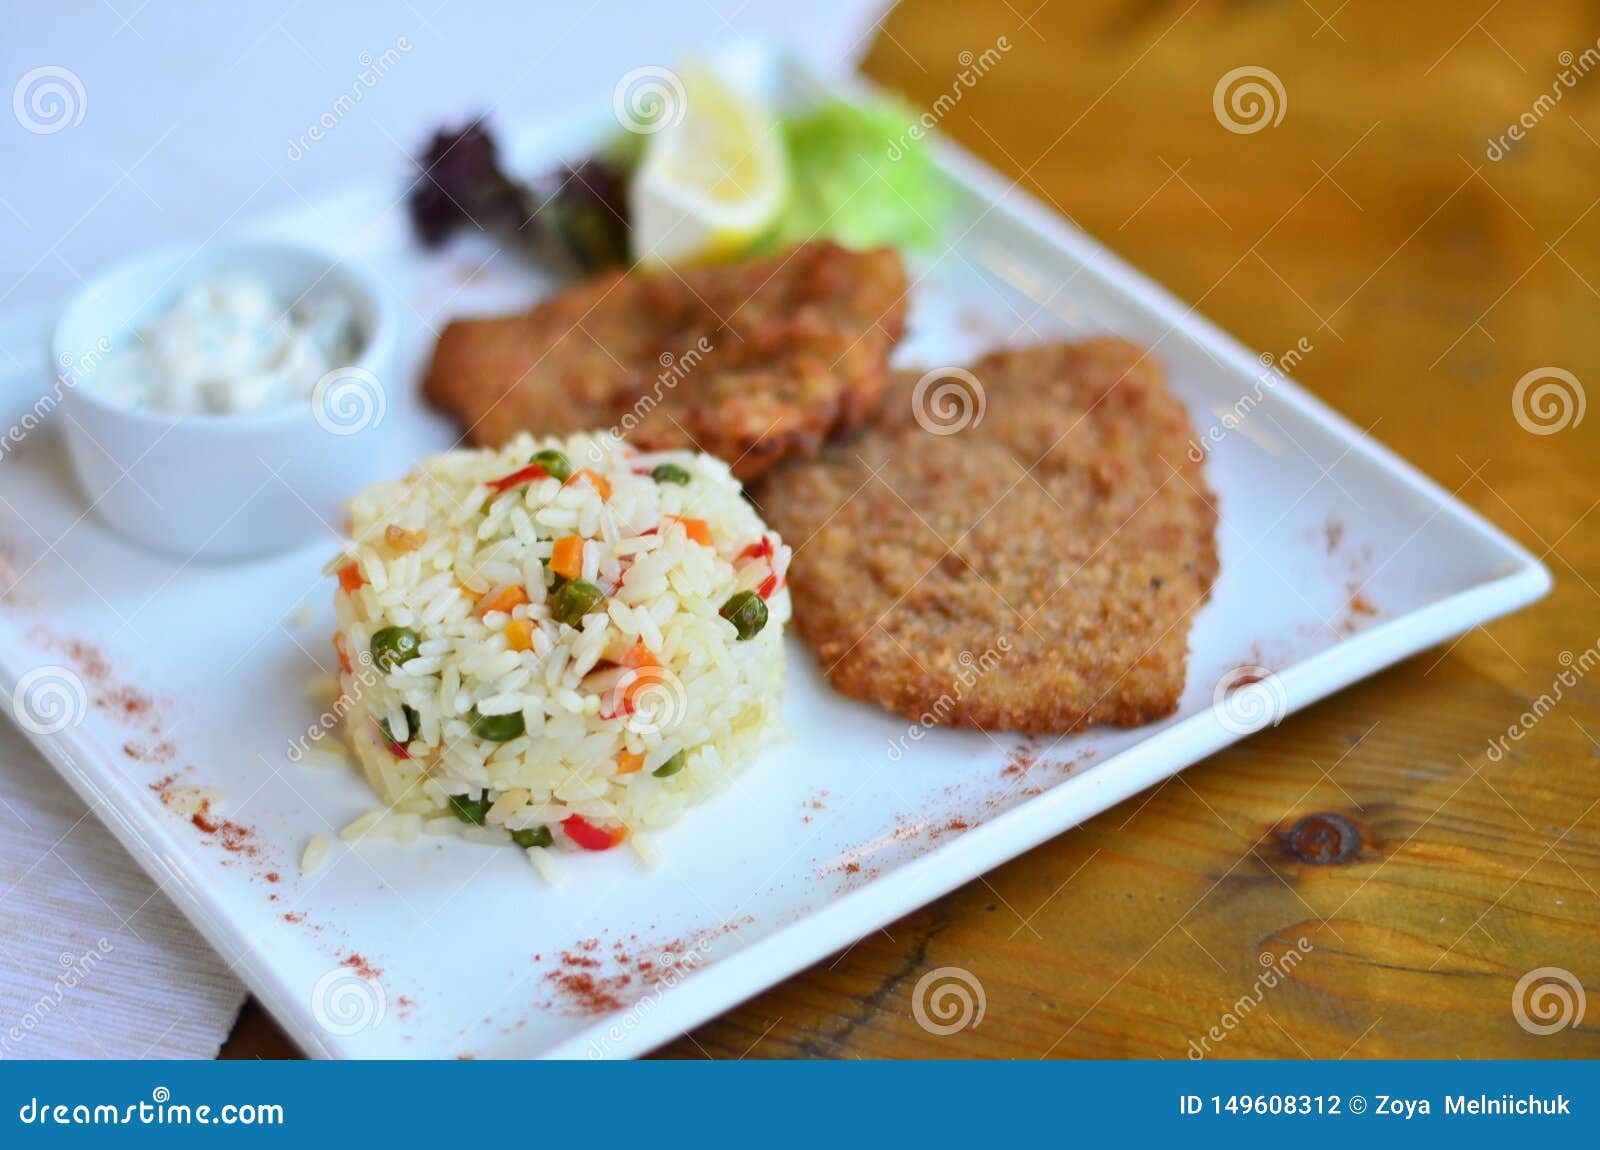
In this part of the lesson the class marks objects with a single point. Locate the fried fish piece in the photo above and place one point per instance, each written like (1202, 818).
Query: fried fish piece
(1031, 563)
(753, 362)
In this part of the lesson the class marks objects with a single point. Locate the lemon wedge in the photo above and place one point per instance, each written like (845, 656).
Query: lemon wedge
(711, 181)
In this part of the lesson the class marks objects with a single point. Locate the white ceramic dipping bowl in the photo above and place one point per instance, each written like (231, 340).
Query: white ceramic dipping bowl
(223, 486)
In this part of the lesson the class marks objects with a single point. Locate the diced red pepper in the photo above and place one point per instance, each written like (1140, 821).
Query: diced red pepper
(769, 586)
(761, 550)
(590, 837)
(517, 478)
(398, 750)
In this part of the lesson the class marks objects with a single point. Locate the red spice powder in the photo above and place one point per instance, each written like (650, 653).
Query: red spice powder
(361, 966)
(164, 782)
(162, 752)
(586, 985)
(291, 916)
(272, 876)
(1333, 534)
(229, 835)
(588, 993)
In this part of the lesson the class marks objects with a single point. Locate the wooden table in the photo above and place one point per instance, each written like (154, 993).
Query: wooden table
(1429, 278)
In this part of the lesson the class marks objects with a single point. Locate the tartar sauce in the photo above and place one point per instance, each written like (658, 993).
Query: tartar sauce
(230, 346)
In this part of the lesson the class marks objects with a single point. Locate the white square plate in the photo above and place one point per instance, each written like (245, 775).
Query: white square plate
(1337, 559)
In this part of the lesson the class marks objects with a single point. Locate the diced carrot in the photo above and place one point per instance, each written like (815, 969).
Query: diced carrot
(351, 579)
(504, 599)
(519, 635)
(595, 480)
(695, 529)
(402, 540)
(629, 763)
(567, 558)
(639, 655)
(344, 657)
(646, 669)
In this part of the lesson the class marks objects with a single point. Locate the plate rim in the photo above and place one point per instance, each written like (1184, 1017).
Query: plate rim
(1168, 750)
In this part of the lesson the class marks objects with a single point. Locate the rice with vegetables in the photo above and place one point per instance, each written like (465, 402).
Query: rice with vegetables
(557, 644)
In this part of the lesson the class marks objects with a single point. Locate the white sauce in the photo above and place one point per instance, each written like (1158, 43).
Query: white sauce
(230, 346)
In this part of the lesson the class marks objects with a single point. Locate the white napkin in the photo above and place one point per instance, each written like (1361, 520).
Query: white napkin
(94, 961)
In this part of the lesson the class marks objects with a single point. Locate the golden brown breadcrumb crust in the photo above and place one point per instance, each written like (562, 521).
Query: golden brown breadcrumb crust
(754, 362)
(1035, 571)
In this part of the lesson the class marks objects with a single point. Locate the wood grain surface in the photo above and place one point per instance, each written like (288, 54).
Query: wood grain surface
(1430, 272)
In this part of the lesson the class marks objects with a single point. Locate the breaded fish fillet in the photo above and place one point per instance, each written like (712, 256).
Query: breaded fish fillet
(754, 362)
(1035, 570)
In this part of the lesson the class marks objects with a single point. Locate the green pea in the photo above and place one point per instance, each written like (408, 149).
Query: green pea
(533, 837)
(670, 473)
(470, 810)
(574, 599)
(747, 612)
(498, 728)
(412, 719)
(554, 462)
(672, 766)
(394, 645)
